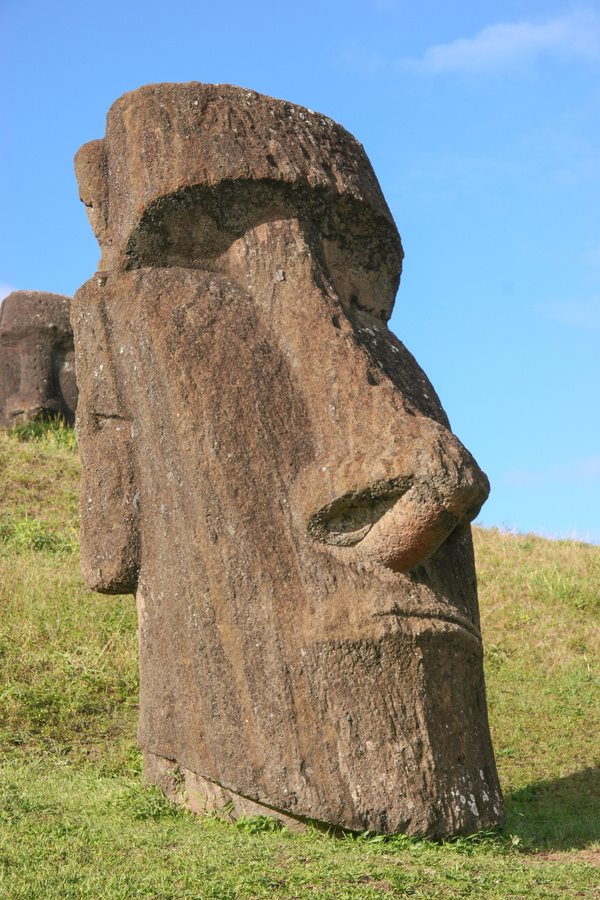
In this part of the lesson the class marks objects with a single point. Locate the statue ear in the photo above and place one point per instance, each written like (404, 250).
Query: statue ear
(109, 527)
(92, 178)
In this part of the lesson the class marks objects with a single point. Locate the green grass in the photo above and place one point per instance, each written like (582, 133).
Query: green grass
(77, 821)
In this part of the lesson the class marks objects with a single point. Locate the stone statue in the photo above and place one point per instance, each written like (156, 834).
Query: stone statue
(37, 359)
(268, 469)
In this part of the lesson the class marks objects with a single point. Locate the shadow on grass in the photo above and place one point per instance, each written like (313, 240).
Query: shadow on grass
(560, 814)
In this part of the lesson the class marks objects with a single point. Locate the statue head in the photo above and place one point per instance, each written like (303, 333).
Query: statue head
(37, 371)
(271, 473)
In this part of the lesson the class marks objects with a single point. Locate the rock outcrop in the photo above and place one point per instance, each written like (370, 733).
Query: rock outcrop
(37, 358)
(271, 473)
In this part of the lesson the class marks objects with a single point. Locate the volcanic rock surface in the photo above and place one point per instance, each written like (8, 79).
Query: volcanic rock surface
(37, 358)
(271, 473)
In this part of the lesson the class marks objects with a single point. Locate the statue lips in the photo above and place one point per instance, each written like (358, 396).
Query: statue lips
(438, 613)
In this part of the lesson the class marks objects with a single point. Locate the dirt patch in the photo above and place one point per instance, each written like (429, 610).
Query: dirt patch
(589, 856)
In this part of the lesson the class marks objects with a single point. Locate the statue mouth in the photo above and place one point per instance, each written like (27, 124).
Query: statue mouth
(437, 614)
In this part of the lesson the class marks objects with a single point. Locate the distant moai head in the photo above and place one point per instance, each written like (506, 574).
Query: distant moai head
(37, 359)
(270, 471)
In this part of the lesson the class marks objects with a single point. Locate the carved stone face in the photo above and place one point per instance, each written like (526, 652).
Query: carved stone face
(269, 470)
(37, 360)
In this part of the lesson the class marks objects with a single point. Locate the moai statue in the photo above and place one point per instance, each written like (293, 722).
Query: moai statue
(268, 469)
(37, 359)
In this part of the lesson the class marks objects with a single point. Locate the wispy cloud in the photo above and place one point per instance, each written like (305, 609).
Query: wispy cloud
(576, 313)
(504, 45)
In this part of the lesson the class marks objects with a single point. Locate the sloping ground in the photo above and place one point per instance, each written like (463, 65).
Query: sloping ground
(540, 603)
(77, 821)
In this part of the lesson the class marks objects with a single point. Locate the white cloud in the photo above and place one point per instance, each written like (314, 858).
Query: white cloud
(576, 313)
(503, 45)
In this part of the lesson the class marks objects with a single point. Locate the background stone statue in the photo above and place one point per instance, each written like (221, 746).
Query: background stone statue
(270, 471)
(37, 359)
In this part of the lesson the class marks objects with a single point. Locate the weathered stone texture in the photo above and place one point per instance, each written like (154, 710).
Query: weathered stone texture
(270, 471)
(37, 358)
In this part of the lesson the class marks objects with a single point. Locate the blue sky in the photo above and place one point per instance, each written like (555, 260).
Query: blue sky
(482, 121)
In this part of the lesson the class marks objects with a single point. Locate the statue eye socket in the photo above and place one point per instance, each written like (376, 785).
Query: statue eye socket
(347, 520)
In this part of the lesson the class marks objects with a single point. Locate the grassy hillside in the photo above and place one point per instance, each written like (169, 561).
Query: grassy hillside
(77, 821)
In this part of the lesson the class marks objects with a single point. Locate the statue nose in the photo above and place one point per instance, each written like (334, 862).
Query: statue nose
(422, 518)
(396, 509)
